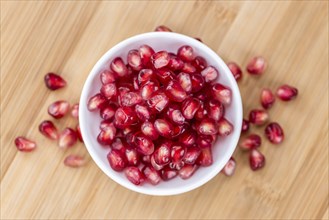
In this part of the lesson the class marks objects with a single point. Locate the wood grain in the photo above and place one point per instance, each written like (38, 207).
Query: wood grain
(68, 37)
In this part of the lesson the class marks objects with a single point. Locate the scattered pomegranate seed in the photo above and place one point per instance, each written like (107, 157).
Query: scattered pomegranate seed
(107, 77)
(117, 160)
(67, 138)
(74, 161)
(160, 59)
(75, 111)
(236, 70)
(258, 117)
(245, 125)
(229, 167)
(256, 159)
(24, 144)
(274, 133)
(267, 98)
(187, 171)
(224, 127)
(145, 52)
(79, 136)
(151, 175)
(210, 74)
(186, 53)
(58, 109)
(251, 142)
(118, 66)
(163, 28)
(48, 129)
(257, 65)
(96, 102)
(54, 81)
(287, 93)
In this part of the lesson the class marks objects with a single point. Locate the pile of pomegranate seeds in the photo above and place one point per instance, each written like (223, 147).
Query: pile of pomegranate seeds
(162, 106)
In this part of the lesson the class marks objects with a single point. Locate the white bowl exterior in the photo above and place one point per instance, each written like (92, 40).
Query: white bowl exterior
(223, 148)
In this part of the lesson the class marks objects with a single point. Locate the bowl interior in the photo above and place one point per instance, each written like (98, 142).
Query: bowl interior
(223, 148)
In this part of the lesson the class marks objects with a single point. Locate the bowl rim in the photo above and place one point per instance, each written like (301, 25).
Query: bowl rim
(99, 65)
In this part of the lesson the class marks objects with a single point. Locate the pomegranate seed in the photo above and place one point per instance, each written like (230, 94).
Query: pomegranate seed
(107, 77)
(54, 81)
(160, 59)
(199, 63)
(151, 175)
(191, 155)
(109, 90)
(205, 158)
(132, 156)
(222, 93)
(24, 144)
(117, 160)
(201, 113)
(146, 159)
(188, 68)
(96, 102)
(145, 75)
(130, 99)
(215, 109)
(67, 138)
(78, 131)
(257, 65)
(175, 115)
(149, 130)
(225, 128)
(143, 144)
(135, 83)
(235, 70)
(188, 138)
(105, 124)
(252, 141)
(158, 101)
(163, 28)
(145, 52)
(256, 159)
(164, 128)
(122, 90)
(48, 129)
(210, 74)
(189, 107)
(165, 75)
(258, 117)
(119, 144)
(58, 109)
(108, 112)
(74, 161)
(286, 92)
(75, 111)
(204, 141)
(177, 154)
(134, 60)
(148, 89)
(185, 82)
(175, 92)
(106, 136)
(125, 116)
(204, 94)
(155, 165)
(167, 173)
(118, 66)
(187, 171)
(207, 127)
(185, 53)
(245, 125)
(175, 63)
(267, 98)
(162, 153)
(142, 112)
(274, 133)
(229, 167)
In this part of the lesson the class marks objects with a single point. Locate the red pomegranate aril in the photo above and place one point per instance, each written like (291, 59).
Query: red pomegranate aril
(107, 77)
(204, 141)
(175, 63)
(67, 138)
(125, 116)
(210, 74)
(167, 173)
(54, 81)
(106, 136)
(235, 70)
(222, 93)
(197, 81)
(108, 112)
(142, 112)
(188, 138)
(130, 99)
(189, 107)
(187, 171)
(109, 90)
(143, 144)
(134, 60)
(175, 115)
(78, 131)
(160, 59)
(267, 98)
(148, 89)
(257, 65)
(274, 133)
(287, 93)
(201, 113)
(149, 130)
(134, 175)
(185, 53)
(74, 161)
(229, 167)
(146, 159)
(145, 52)
(191, 155)
(158, 101)
(105, 124)
(188, 68)
(256, 159)
(250, 142)
(162, 153)
(75, 111)
(117, 160)
(119, 144)
(132, 156)
(136, 83)
(164, 128)
(245, 125)
(199, 63)
(225, 127)
(184, 79)
(177, 152)
(145, 75)
(155, 165)
(175, 92)
(205, 158)
(215, 109)
(258, 116)
(164, 75)
(48, 129)
(58, 109)
(207, 127)
(151, 175)
(118, 66)
(163, 28)
(96, 102)
(24, 144)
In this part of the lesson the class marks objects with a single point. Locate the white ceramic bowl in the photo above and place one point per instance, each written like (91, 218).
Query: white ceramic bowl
(223, 148)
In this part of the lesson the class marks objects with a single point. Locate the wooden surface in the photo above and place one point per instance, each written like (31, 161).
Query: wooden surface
(69, 37)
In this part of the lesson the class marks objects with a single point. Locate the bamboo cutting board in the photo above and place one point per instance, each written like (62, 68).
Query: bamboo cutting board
(68, 37)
